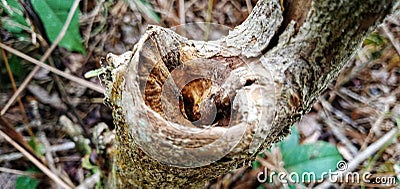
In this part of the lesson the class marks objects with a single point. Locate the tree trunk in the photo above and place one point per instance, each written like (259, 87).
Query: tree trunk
(187, 111)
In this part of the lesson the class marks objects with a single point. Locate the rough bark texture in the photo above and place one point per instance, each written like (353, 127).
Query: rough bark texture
(187, 111)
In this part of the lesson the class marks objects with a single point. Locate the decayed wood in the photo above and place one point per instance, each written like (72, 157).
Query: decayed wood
(187, 111)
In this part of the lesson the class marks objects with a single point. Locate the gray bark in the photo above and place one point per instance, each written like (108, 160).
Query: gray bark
(187, 111)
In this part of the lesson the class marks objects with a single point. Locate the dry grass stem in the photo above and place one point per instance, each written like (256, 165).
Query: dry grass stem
(38, 164)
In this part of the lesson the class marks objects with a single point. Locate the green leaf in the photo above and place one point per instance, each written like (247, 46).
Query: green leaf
(255, 164)
(374, 39)
(88, 165)
(145, 8)
(316, 158)
(36, 146)
(291, 186)
(11, 25)
(17, 68)
(24, 182)
(312, 158)
(260, 187)
(290, 141)
(53, 14)
(14, 10)
(94, 73)
(15, 22)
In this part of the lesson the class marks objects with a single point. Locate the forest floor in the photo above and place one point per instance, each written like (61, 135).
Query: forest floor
(61, 120)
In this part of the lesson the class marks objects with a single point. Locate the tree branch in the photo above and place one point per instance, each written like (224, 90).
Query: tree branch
(187, 111)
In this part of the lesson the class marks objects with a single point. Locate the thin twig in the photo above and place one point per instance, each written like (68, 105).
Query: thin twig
(249, 6)
(91, 16)
(90, 182)
(375, 127)
(43, 168)
(363, 155)
(47, 67)
(182, 12)
(18, 172)
(340, 114)
(44, 57)
(392, 39)
(354, 95)
(66, 99)
(55, 148)
(21, 105)
(368, 152)
(49, 156)
(10, 75)
(372, 149)
(20, 89)
(339, 134)
(364, 62)
(208, 19)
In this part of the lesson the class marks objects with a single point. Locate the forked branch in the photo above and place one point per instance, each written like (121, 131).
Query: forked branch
(187, 111)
